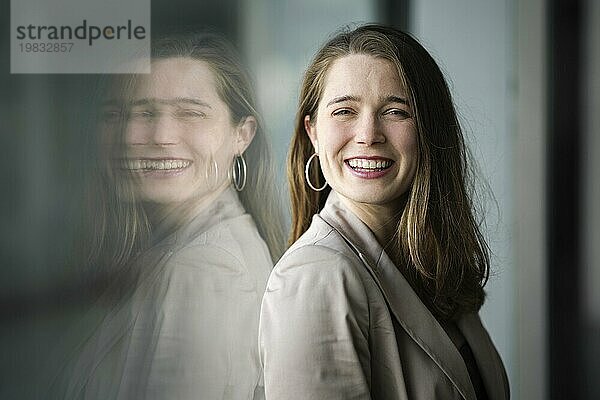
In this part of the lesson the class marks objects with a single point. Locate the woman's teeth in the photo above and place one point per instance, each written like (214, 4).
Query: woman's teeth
(156, 164)
(358, 163)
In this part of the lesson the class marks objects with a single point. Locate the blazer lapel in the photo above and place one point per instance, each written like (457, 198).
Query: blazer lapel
(487, 358)
(410, 312)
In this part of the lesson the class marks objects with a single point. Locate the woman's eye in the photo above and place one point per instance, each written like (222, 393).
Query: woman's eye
(342, 112)
(189, 114)
(397, 112)
(145, 114)
(111, 115)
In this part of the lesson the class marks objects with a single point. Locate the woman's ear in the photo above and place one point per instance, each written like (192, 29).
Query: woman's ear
(245, 133)
(311, 131)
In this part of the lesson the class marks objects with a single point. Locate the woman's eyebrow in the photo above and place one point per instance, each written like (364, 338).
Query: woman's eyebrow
(341, 99)
(396, 99)
(388, 99)
(174, 101)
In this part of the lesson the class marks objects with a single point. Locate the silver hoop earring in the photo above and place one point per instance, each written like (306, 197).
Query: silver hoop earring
(238, 173)
(306, 174)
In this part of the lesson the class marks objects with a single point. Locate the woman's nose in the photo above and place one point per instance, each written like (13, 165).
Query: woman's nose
(368, 131)
(165, 131)
(159, 130)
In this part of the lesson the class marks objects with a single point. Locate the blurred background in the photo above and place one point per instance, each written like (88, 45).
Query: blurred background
(525, 75)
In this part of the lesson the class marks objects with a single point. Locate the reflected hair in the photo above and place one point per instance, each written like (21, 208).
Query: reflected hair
(440, 245)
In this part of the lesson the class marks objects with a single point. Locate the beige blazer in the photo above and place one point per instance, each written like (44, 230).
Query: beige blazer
(189, 330)
(339, 321)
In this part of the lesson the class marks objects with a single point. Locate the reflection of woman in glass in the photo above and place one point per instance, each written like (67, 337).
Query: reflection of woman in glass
(379, 294)
(184, 205)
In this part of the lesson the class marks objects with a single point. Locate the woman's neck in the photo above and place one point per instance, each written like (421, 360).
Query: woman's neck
(382, 219)
(169, 216)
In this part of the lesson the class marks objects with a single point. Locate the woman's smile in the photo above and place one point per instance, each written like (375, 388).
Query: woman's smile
(368, 167)
(157, 167)
(157, 164)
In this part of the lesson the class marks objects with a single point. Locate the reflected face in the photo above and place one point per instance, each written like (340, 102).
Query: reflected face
(365, 133)
(179, 138)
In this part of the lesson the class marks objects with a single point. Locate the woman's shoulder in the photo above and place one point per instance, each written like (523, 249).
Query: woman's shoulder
(220, 259)
(322, 238)
(236, 236)
(231, 250)
(319, 255)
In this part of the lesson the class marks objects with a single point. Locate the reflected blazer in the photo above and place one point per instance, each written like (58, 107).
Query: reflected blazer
(189, 330)
(339, 321)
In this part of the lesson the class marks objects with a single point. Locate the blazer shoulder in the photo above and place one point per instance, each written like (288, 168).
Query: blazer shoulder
(324, 248)
(322, 239)
(234, 241)
(316, 268)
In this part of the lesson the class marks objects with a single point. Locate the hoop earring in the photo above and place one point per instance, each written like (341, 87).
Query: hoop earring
(238, 173)
(306, 174)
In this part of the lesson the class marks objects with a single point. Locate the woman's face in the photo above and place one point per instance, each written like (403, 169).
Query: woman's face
(365, 132)
(179, 137)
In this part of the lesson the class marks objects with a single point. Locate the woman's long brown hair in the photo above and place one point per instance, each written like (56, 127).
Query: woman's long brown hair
(444, 255)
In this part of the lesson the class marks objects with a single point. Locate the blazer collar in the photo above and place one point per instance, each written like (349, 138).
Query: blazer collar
(416, 319)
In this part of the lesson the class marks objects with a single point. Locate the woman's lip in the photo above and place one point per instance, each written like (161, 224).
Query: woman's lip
(158, 173)
(367, 174)
(156, 158)
(368, 158)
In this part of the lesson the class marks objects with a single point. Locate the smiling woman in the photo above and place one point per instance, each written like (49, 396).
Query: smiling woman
(365, 136)
(377, 297)
(176, 134)
(184, 242)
